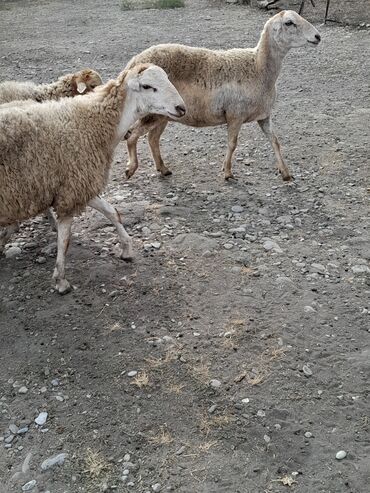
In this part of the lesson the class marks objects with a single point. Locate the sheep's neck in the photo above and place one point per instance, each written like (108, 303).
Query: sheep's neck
(269, 57)
(129, 115)
(44, 92)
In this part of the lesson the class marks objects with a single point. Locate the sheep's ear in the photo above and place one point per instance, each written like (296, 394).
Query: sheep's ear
(81, 87)
(134, 84)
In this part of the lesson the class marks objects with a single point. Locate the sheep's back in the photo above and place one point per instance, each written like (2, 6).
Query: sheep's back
(12, 90)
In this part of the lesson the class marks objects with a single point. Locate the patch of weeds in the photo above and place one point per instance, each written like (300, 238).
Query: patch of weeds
(95, 464)
(151, 4)
(141, 380)
(207, 424)
(163, 437)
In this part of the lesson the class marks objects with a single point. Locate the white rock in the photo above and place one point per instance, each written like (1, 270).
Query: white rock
(156, 487)
(360, 269)
(245, 401)
(215, 383)
(23, 390)
(41, 418)
(29, 486)
(342, 454)
(308, 434)
(237, 209)
(228, 246)
(272, 245)
(307, 370)
(156, 245)
(309, 309)
(132, 373)
(57, 460)
(267, 438)
(13, 252)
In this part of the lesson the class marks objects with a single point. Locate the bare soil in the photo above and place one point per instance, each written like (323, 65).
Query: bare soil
(286, 339)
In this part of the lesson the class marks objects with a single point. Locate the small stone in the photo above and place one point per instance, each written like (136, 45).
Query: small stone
(237, 209)
(156, 245)
(146, 231)
(261, 414)
(342, 454)
(41, 418)
(308, 434)
(309, 309)
(55, 382)
(307, 370)
(40, 260)
(181, 450)
(156, 487)
(228, 246)
(22, 390)
(215, 383)
(132, 373)
(57, 460)
(272, 245)
(29, 486)
(13, 252)
(126, 472)
(319, 268)
(267, 438)
(126, 457)
(360, 269)
(9, 439)
(245, 401)
(13, 428)
(212, 408)
(23, 430)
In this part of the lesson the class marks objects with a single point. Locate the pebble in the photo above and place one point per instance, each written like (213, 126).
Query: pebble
(212, 409)
(215, 383)
(126, 457)
(319, 268)
(29, 486)
(23, 390)
(267, 438)
(181, 450)
(245, 401)
(132, 373)
(308, 434)
(307, 370)
(23, 430)
(360, 269)
(228, 246)
(57, 460)
(261, 414)
(156, 245)
(41, 418)
(9, 439)
(40, 260)
(156, 487)
(309, 309)
(146, 231)
(13, 428)
(272, 245)
(342, 454)
(13, 252)
(237, 209)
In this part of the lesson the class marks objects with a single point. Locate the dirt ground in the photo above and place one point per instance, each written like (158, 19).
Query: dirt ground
(252, 365)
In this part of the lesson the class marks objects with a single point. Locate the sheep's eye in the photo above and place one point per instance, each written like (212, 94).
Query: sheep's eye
(289, 23)
(146, 86)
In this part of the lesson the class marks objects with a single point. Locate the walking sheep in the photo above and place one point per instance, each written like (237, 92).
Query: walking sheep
(66, 86)
(58, 153)
(224, 87)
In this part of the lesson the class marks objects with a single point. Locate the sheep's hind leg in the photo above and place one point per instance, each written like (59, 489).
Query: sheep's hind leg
(64, 236)
(153, 139)
(233, 129)
(266, 128)
(141, 128)
(112, 214)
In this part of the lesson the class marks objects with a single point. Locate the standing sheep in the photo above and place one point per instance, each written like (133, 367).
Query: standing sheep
(58, 154)
(66, 86)
(224, 87)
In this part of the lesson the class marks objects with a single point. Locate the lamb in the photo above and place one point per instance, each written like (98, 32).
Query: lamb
(69, 85)
(229, 87)
(58, 153)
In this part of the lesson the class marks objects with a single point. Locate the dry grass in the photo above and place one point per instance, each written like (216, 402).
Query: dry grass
(207, 424)
(171, 355)
(95, 464)
(175, 388)
(205, 447)
(200, 373)
(285, 480)
(141, 380)
(262, 367)
(163, 437)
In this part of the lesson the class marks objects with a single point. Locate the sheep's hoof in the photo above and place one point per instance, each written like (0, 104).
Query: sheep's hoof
(229, 177)
(165, 172)
(288, 178)
(63, 286)
(127, 257)
(129, 172)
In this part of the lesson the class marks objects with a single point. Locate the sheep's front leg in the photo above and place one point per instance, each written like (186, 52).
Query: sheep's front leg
(64, 236)
(266, 128)
(233, 129)
(141, 128)
(112, 214)
(153, 139)
(6, 233)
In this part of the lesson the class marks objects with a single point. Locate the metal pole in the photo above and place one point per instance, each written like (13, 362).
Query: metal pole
(327, 10)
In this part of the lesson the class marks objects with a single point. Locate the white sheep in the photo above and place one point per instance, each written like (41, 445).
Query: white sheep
(58, 153)
(229, 87)
(68, 85)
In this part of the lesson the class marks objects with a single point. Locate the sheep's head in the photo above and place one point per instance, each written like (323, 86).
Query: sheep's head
(85, 81)
(290, 30)
(154, 93)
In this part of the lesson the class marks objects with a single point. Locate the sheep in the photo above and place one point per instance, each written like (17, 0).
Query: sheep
(219, 87)
(58, 153)
(66, 86)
